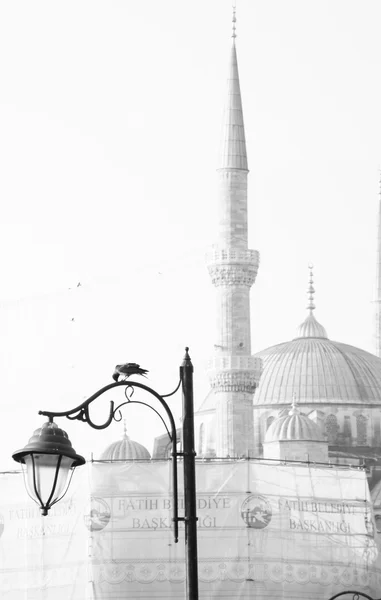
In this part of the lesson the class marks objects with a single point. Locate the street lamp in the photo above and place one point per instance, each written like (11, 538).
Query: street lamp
(50, 459)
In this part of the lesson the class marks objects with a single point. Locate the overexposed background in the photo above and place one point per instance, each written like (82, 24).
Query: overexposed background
(110, 118)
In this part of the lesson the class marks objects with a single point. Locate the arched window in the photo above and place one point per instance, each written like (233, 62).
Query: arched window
(201, 437)
(331, 429)
(361, 430)
(347, 429)
(269, 421)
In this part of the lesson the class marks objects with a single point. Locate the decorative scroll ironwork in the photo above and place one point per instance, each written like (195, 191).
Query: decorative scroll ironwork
(144, 404)
(355, 595)
(82, 413)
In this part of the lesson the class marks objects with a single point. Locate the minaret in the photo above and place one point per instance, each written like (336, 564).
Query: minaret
(233, 371)
(378, 283)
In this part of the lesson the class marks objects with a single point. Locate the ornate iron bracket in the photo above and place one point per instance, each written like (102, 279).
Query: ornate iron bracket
(82, 413)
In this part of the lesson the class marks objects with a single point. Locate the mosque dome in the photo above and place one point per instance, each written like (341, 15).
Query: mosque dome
(294, 426)
(125, 449)
(317, 370)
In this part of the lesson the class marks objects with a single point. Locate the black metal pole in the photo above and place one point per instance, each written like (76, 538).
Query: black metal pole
(190, 508)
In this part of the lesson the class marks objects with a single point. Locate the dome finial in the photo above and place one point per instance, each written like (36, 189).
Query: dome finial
(310, 326)
(311, 290)
(234, 20)
(125, 436)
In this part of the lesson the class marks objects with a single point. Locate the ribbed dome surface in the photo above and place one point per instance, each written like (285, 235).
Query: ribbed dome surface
(293, 427)
(311, 328)
(318, 370)
(125, 449)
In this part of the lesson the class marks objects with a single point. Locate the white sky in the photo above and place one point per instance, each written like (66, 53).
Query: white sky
(110, 116)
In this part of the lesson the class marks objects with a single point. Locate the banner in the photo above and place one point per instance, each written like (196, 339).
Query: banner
(265, 530)
(43, 557)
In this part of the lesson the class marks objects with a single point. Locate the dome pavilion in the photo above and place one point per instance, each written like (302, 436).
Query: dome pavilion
(125, 449)
(294, 436)
(294, 426)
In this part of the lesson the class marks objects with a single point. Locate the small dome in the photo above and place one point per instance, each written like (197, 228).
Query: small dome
(311, 328)
(125, 449)
(293, 427)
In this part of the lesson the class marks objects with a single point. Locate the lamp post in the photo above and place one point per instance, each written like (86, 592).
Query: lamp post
(50, 459)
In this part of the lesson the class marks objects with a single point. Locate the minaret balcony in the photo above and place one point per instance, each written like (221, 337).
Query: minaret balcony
(233, 266)
(233, 256)
(235, 373)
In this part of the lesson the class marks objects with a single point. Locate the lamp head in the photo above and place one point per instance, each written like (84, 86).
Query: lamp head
(50, 460)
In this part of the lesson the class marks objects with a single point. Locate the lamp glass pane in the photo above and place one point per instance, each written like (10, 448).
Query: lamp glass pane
(40, 479)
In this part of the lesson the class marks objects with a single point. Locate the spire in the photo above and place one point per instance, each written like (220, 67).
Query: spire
(378, 280)
(233, 146)
(311, 328)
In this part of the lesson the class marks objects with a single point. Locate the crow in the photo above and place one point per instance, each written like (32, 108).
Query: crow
(128, 369)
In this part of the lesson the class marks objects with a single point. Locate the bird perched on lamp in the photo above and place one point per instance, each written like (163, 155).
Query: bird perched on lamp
(128, 369)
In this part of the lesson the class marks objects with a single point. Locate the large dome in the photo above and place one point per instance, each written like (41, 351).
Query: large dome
(317, 370)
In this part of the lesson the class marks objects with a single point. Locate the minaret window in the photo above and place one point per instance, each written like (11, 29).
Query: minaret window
(331, 429)
(361, 430)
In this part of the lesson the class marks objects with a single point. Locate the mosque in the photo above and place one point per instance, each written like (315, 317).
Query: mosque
(334, 389)
(310, 402)
(289, 459)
